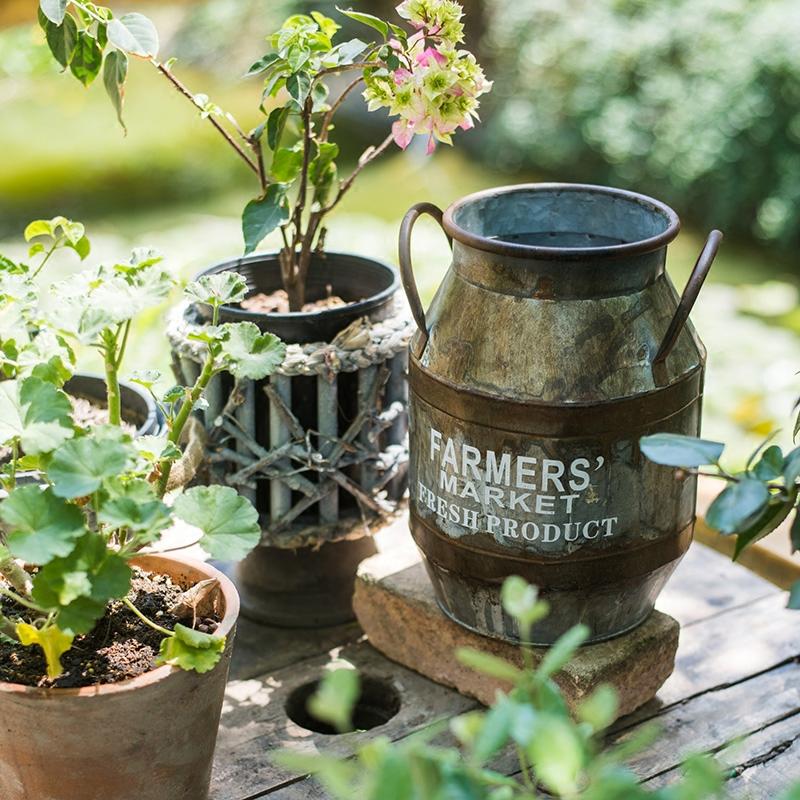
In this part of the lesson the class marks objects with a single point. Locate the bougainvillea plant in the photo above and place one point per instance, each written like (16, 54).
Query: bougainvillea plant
(756, 499)
(97, 499)
(427, 83)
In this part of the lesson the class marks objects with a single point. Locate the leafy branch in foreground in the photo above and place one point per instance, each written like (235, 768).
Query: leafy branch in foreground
(554, 753)
(756, 500)
(66, 541)
(427, 83)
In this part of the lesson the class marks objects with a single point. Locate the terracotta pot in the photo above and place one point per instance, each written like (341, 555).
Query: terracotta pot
(147, 738)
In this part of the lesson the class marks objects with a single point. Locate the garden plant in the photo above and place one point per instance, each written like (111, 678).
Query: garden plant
(69, 536)
(756, 500)
(542, 748)
(426, 82)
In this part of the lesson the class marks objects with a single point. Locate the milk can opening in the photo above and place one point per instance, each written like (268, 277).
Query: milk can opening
(562, 219)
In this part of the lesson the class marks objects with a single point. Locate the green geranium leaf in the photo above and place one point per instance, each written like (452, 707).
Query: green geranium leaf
(228, 521)
(675, 450)
(61, 37)
(145, 518)
(248, 353)
(42, 526)
(261, 217)
(115, 73)
(134, 34)
(735, 507)
(335, 697)
(35, 413)
(191, 650)
(87, 59)
(80, 585)
(54, 10)
(79, 467)
(53, 641)
(147, 378)
(219, 288)
(156, 448)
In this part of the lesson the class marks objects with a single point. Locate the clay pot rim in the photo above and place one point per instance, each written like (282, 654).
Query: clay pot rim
(161, 673)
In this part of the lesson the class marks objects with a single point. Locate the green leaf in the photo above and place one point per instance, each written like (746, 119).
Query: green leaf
(276, 122)
(495, 730)
(335, 698)
(767, 521)
(735, 507)
(791, 467)
(219, 288)
(144, 518)
(87, 59)
(600, 708)
(36, 413)
(494, 666)
(675, 450)
(770, 465)
(135, 34)
(80, 585)
(286, 165)
(228, 521)
(557, 755)
(191, 650)
(248, 353)
(326, 153)
(115, 73)
(54, 10)
(326, 24)
(348, 52)
(262, 216)
(367, 19)
(39, 227)
(562, 651)
(79, 467)
(61, 38)
(53, 641)
(42, 526)
(521, 601)
(262, 65)
(794, 596)
(298, 84)
(794, 533)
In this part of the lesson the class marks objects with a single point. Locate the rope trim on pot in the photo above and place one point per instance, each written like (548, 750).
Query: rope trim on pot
(360, 345)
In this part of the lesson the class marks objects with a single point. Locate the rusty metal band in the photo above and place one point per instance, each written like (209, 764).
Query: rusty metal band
(578, 571)
(568, 420)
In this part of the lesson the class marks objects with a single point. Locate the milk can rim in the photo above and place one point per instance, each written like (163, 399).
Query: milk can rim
(563, 253)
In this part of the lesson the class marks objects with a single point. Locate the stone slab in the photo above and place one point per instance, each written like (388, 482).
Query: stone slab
(395, 605)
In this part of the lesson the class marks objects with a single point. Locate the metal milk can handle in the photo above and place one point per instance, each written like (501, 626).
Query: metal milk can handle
(407, 269)
(689, 296)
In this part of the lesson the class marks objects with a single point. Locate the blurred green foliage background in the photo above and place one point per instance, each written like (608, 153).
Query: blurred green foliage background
(694, 101)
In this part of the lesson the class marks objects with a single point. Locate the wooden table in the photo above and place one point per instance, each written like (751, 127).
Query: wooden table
(736, 679)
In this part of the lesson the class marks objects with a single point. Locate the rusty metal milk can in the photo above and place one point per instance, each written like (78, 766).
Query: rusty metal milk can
(555, 341)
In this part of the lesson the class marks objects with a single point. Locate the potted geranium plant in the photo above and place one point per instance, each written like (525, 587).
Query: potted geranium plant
(113, 660)
(337, 406)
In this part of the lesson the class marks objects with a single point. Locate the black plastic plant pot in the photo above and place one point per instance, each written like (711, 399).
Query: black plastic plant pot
(138, 407)
(367, 286)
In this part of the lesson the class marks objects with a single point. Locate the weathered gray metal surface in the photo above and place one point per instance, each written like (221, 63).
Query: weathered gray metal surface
(532, 379)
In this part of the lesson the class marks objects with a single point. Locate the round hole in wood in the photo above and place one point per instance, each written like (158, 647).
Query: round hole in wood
(377, 703)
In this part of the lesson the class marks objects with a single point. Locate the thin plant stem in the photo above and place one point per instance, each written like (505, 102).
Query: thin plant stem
(47, 257)
(112, 378)
(18, 598)
(147, 621)
(121, 352)
(14, 459)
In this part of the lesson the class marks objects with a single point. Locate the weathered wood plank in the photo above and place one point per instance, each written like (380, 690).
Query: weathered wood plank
(760, 766)
(254, 723)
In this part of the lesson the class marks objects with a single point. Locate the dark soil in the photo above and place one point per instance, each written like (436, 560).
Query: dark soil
(119, 647)
(278, 303)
